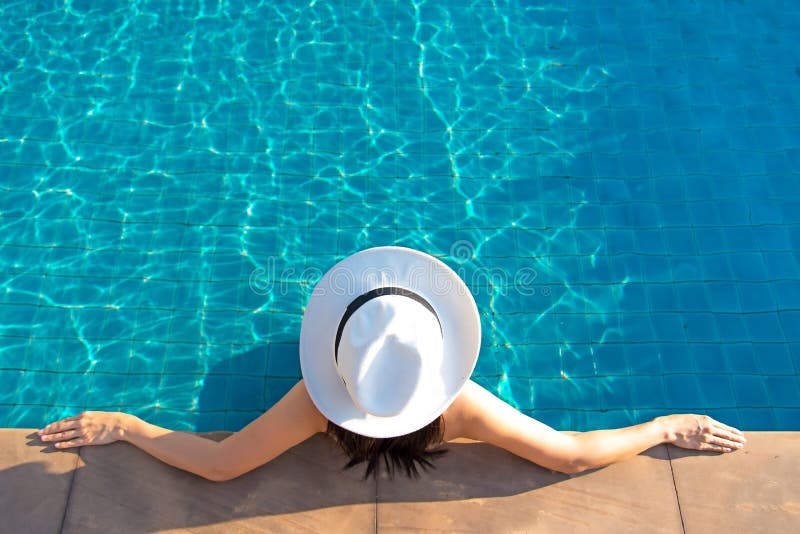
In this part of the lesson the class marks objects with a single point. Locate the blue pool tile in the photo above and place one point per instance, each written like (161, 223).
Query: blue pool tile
(32, 384)
(634, 298)
(29, 416)
(676, 358)
(708, 357)
(140, 389)
(184, 364)
(787, 417)
(717, 390)
(663, 297)
(648, 392)
(578, 362)
(680, 241)
(762, 213)
(249, 362)
(764, 327)
(723, 296)
(611, 361)
(756, 418)
(734, 212)
(685, 268)
(732, 327)
(668, 327)
(787, 293)
(106, 391)
(783, 391)
(210, 421)
(710, 240)
(543, 362)
(650, 241)
(728, 416)
(741, 358)
(750, 390)
(12, 379)
(683, 392)
(748, 266)
(643, 215)
(521, 390)
(704, 214)
(638, 328)
(671, 193)
(214, 393)
(773, 238)
(620, 241)
(717, 268)
(613, 190)
(701, 327)
(698, 189)
(774, 358)
(656, 268)
(741, 238)
(692, 297)
(177, 392)
(643, 358)
(284, 360)
(246, 393)
(756, 298)
(790, 322)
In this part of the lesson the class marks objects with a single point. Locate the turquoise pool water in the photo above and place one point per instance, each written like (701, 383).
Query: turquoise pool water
(617, 182)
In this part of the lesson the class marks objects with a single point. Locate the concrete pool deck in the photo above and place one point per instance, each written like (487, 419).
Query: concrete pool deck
(476, 487)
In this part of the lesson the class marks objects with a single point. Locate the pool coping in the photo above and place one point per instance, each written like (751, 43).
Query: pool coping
(476, 487)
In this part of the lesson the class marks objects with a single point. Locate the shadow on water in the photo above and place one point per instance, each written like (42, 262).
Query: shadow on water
(238, 390)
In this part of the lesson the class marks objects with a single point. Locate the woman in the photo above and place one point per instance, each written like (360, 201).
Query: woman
(388, 341)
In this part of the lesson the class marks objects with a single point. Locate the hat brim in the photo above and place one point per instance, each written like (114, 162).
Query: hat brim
(362, 272)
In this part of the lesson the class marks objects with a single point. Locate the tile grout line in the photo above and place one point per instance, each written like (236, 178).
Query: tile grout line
(675, 485)
(376, 501)
(69, 492)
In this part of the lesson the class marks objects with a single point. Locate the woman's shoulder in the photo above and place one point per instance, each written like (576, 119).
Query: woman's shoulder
(456, 415)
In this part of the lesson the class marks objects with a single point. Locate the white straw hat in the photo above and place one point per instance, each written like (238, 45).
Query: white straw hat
(389, 337)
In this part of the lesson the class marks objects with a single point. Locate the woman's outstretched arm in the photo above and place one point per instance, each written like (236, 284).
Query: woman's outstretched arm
(479, 415)
(290, 421)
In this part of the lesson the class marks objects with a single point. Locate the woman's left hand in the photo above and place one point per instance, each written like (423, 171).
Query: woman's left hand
(87, 428)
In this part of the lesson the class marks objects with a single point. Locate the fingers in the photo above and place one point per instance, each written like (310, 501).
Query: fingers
(728, 428)
(712, 447)
(730, 436)
(723, 443)
(63, 424)
(60, 436)
(714, 431)
(72, 443)
(60, 426)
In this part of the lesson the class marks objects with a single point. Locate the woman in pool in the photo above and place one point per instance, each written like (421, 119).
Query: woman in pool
(389, 340)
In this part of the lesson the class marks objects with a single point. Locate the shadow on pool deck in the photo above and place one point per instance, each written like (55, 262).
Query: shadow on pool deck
(476, 487)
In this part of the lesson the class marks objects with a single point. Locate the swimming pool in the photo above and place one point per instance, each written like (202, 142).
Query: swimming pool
(617, 182)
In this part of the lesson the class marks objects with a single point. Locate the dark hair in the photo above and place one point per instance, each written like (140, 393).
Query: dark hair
(400, 452)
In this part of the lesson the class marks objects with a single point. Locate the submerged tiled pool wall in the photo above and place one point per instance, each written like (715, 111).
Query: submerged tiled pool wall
(617, 182)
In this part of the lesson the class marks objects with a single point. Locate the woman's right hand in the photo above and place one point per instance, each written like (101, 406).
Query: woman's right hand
(87, 428)
(700, 432)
